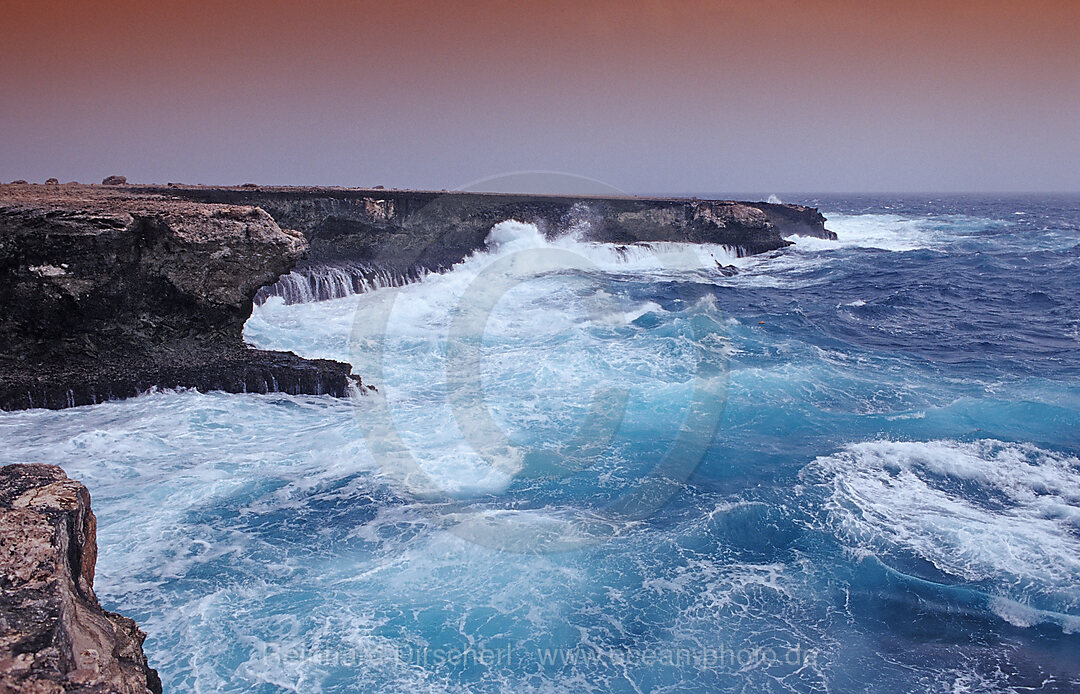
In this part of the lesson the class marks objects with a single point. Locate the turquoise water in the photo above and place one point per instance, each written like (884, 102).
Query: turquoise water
(853, 466)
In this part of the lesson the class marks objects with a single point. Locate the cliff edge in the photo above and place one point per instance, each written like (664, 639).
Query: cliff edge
(108, 292)
(54, 636)
(361, 238)
(404, 230)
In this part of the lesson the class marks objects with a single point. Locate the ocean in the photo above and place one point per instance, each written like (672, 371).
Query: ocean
(852, 466)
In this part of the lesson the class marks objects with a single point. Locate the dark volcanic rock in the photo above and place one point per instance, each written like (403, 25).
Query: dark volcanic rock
(796, 220)
(135, 370)
(52, 182)
(54, 636)
(114, 181)
(403, 231)
(108, 293)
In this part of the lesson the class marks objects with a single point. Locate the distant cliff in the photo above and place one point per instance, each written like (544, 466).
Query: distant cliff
(107, 293)
(54, 636)
(404, 231)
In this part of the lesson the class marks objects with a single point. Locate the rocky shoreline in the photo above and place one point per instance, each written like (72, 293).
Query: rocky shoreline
(406, 231)
(54, 636)
(116, 289)
(108, 293)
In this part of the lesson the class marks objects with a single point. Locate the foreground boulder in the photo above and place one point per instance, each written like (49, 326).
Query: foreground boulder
(108, 293)
(54, 636)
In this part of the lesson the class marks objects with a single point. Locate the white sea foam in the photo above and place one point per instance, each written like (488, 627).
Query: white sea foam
(1001, 516)
(882, 231)
(506, 239)
(803, 263)
(323, 282)
(527, 332)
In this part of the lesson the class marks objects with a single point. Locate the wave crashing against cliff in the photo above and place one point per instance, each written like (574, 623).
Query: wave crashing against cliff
(323, 282)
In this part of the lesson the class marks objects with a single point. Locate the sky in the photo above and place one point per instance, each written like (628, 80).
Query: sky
(649, 96)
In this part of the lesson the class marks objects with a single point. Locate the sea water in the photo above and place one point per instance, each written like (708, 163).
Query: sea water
(854, 466)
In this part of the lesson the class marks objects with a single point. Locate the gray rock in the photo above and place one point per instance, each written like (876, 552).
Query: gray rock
(114, 181)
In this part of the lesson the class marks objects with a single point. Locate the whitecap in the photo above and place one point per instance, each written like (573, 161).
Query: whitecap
(888, 232)
(1002, 517)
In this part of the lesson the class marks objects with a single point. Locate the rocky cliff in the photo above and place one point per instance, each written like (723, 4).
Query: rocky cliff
(54, 636)
(109, 292)
(403, 233)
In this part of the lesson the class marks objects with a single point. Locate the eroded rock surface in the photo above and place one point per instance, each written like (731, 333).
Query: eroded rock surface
(108, 292)
(54, 636)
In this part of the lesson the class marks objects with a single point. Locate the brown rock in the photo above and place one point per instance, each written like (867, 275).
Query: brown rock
(54, 636)
(52, 182)
(114, 181)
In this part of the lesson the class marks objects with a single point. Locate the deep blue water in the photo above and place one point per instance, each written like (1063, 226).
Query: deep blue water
(854, 466)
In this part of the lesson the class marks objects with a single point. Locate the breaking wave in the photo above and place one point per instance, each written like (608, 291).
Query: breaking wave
(1002, 517)
(325, 282)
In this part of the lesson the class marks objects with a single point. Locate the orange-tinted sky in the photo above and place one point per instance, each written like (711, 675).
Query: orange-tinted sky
(651, 96)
